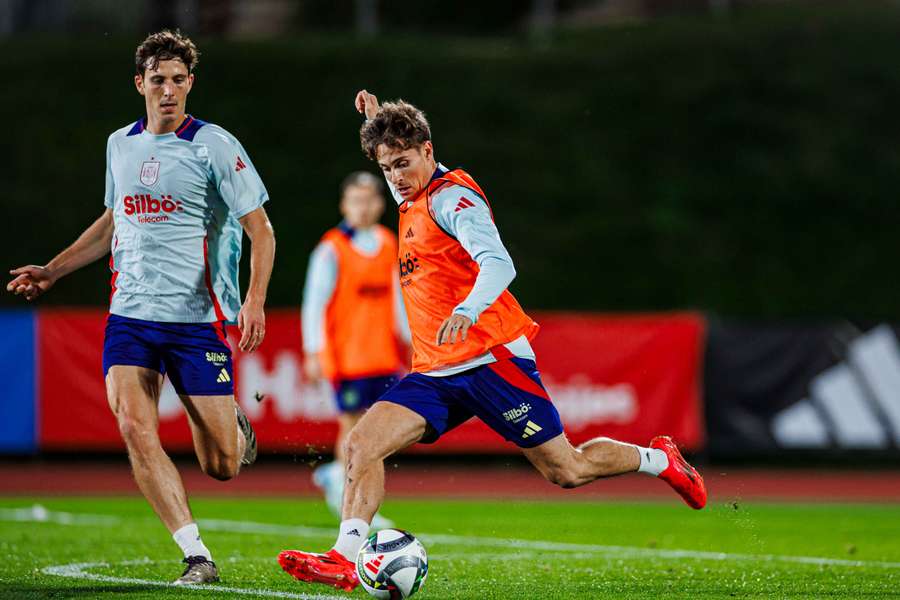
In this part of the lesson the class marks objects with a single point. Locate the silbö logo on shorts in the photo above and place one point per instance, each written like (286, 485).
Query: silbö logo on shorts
(517, 413)
(217, 358)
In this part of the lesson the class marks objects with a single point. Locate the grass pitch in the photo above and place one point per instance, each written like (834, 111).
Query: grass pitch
(115, 548)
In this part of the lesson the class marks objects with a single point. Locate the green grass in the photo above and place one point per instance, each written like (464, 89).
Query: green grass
(469, 553)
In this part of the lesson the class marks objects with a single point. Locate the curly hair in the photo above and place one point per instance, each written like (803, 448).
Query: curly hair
(398, 125)
(165, 45)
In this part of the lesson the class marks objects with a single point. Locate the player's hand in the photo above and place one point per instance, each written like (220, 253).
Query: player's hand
(453, 326)
(312, 368)
(367, 104)
(252, 323)
(32, 281)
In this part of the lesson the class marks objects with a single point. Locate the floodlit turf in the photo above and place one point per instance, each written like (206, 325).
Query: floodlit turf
(478, 550)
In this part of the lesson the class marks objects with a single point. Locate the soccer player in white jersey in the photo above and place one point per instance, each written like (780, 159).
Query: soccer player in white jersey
(179, 195)
(471, 350)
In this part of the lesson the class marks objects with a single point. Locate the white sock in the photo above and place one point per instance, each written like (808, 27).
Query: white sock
(351, 537)
(653, 461)
(188, 539)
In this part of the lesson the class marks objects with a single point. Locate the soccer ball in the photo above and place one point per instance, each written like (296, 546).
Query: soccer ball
(392, 564)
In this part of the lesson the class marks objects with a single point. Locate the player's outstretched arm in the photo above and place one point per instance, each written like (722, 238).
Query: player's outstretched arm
(252, 318)
(94, 243)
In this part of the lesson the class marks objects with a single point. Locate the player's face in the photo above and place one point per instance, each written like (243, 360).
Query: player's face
(408, 170)
(165, 90)
(361, 206)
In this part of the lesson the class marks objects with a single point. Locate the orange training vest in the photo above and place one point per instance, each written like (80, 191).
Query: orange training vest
(436, 274)
(359, 321)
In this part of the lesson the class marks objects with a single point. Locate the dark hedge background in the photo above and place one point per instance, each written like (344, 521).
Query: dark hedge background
(745, 165)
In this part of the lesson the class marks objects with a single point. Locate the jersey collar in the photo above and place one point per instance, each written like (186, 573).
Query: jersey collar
(186, 131)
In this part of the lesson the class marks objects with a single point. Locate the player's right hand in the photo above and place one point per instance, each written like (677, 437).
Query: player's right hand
(31, 281)
(367, 104)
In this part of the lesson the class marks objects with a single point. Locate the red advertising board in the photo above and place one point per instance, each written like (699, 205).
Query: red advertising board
(625, 377)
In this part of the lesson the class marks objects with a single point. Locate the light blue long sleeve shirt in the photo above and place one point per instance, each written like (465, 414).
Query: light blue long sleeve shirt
(321, 280)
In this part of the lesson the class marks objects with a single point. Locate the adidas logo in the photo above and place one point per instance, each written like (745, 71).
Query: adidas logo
(464, 203)
(373, 564)
(239, 165)
(353, 532)
(409, 233)
(531, 428)
(224, 377)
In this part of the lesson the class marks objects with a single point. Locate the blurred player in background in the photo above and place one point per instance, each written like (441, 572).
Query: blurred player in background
(353, 318)
(178, 193)
(471, 349)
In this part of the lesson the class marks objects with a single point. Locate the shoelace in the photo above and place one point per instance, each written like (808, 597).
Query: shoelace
(190, 561)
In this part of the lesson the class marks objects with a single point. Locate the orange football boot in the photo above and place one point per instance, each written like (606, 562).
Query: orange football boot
(683, 478)
(330, 568)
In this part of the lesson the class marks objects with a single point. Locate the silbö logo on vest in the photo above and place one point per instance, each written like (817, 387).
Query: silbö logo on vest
(408, 264)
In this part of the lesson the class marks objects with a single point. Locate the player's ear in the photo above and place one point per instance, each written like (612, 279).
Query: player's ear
(190, 82)
(428, 149)
(139, 84)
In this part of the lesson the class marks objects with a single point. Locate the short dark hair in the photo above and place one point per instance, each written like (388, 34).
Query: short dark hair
(165, 45)
(398, 125)
(362, 179)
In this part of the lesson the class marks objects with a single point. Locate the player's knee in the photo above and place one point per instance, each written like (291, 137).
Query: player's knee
(138, 435)
(220, 465)
(356, 448)
(563, 476)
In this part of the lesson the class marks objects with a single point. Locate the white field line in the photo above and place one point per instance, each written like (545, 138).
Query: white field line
(79, 571)
(38, 513)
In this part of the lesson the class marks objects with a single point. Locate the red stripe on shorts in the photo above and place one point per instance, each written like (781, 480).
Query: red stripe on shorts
(220, 333)
(511, 374)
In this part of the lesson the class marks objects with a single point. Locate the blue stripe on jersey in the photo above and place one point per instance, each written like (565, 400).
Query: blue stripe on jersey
(186, 131)
(189, 129)
(138, 127)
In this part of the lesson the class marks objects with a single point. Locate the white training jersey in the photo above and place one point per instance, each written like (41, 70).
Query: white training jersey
(176, 200)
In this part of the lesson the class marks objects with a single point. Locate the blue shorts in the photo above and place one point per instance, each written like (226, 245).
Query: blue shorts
(507, 395)
(353, 395)
(195, 356)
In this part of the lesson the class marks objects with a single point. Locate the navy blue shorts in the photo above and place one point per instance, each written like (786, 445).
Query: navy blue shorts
(353, 395)
(195, 356)
(507, 395)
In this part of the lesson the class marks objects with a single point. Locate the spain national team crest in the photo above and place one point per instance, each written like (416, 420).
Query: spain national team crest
(149, 172)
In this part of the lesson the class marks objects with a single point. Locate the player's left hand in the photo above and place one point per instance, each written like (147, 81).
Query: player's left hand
(366, 104)
(252, 323)
(451, 327)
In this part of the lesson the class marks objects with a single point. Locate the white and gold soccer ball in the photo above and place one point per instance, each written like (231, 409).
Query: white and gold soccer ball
(392, 564)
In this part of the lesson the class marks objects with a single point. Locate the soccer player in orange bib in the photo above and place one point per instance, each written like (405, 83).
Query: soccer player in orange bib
(354, 324)
(471, 350)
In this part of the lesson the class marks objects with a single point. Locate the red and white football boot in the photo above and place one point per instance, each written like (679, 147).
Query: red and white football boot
(330, 568)
(683, 478)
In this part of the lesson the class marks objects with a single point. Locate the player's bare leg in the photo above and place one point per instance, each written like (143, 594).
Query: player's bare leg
(218, 440)
(385, 429)
(133, 394)
(330, 476)
(569, 467)
(346, 422)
